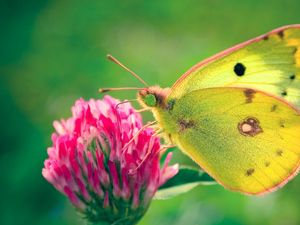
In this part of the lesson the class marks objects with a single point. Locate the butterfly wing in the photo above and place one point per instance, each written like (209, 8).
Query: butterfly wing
(270, 63)
(245, 139)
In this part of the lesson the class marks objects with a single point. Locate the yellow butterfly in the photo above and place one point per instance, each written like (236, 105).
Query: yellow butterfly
(235, 114)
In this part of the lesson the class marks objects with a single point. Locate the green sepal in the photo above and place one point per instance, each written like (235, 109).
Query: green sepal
(186, 179)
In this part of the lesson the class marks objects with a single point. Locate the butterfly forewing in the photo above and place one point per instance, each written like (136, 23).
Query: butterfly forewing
(270, 63)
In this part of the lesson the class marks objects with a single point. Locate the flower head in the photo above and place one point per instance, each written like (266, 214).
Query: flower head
(105, 163)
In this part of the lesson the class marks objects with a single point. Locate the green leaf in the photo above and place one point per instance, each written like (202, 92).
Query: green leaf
(186, 179)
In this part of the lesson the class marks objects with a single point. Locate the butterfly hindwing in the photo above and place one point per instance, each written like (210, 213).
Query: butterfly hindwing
(245, 139)
(270, 63)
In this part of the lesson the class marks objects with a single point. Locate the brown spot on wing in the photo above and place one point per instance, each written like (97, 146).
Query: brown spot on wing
(266, 37)
(249, 94)
(249, 172)
(273, 108)
(279, 152)
(249, 127)
(281, 34)
(185, 124)
(267, 164)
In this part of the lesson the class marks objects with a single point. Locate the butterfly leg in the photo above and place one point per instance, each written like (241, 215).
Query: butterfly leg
(142, 110)
(137, 134)
(160, 151)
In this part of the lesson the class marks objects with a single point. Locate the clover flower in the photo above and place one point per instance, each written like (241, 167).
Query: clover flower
(103, 161)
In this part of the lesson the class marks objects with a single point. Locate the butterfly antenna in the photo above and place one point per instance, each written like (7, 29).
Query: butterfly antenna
(103, 90)
(113, 59)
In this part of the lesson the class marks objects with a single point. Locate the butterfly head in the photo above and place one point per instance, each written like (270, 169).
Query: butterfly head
(153, 96)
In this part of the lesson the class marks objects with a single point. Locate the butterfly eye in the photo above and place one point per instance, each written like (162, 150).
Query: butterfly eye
(150, 100)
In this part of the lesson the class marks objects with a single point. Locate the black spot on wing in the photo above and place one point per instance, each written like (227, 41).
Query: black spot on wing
(284, 93)
(292, 77)
(239, 69)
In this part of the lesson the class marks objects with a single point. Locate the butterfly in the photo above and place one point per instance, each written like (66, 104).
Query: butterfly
(236, 114)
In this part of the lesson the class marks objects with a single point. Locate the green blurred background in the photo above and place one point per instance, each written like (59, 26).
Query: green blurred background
(53, 52)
